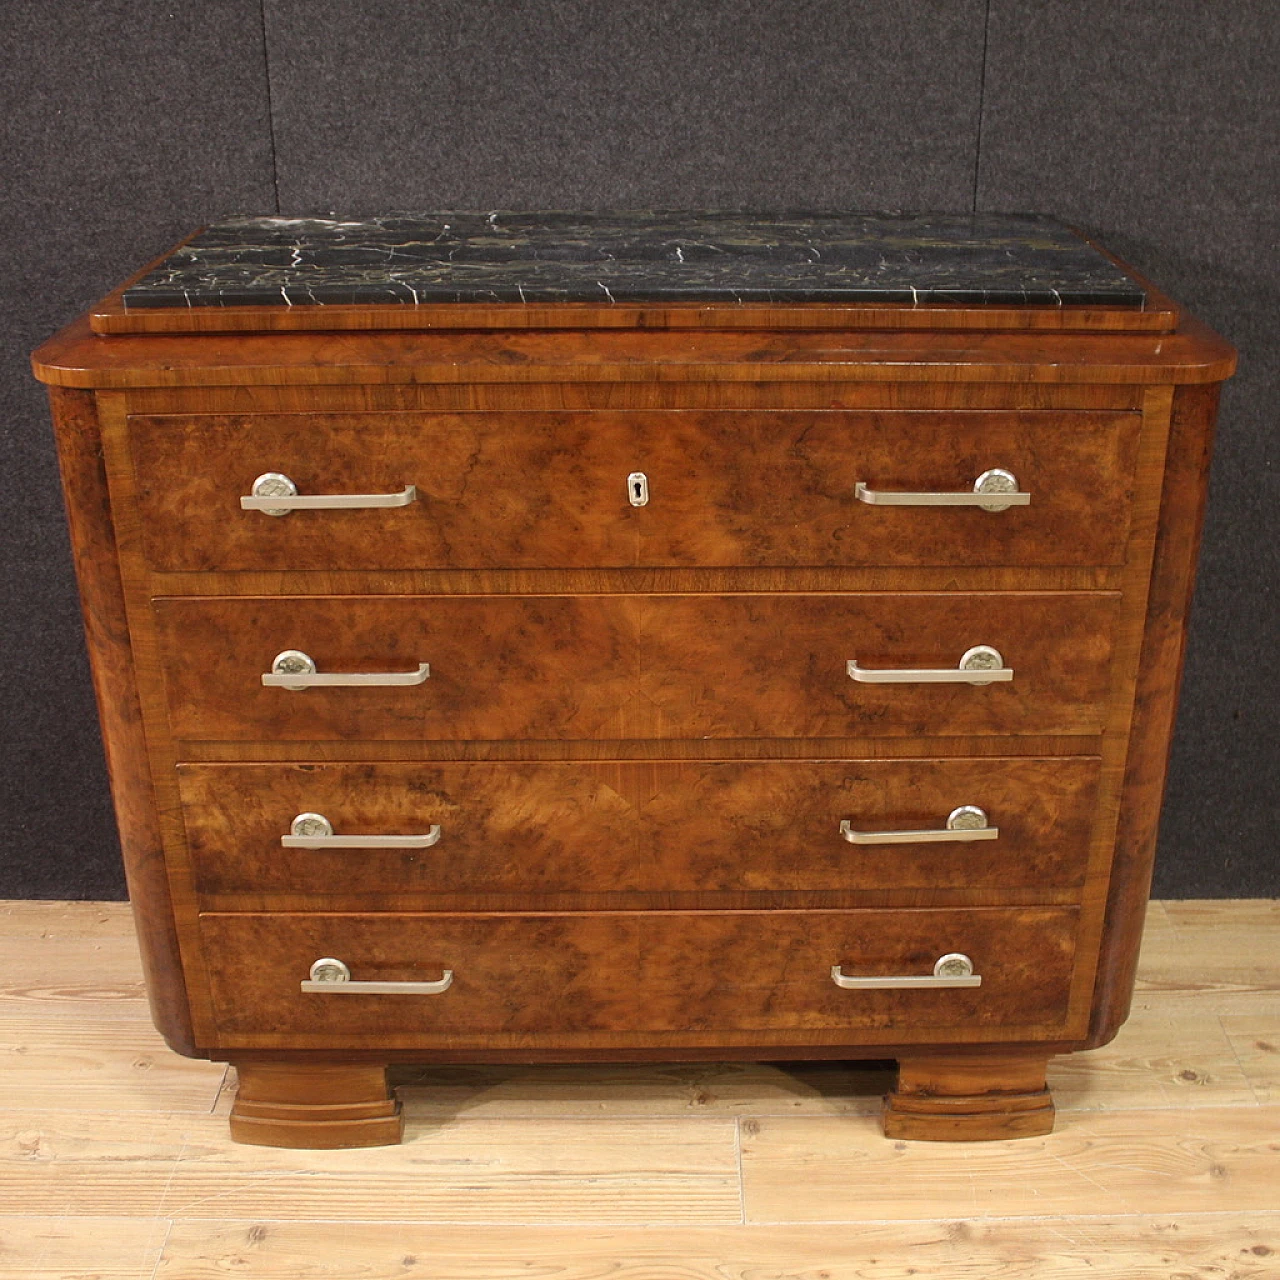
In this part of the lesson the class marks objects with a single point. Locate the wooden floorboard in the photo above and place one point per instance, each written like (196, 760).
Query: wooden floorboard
(1255, 1038)
(1213, 1247)
(115, 1162)
(80, 1248)
(1170, 1161)
(113, 1066)
(72, 977)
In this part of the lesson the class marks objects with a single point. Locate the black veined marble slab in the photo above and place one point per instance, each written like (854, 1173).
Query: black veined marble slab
(637, 257)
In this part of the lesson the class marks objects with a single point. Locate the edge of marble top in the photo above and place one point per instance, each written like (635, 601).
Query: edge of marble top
(1117, 288)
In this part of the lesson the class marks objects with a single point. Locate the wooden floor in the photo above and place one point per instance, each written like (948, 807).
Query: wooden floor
(115, 1161)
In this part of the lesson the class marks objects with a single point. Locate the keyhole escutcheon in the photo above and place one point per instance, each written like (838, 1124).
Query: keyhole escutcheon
(638, 489)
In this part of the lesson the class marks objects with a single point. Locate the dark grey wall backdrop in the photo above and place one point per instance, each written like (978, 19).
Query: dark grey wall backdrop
(129, 122)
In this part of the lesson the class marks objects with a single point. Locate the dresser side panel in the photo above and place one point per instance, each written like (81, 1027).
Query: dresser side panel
(1182, 506)
(93, 545)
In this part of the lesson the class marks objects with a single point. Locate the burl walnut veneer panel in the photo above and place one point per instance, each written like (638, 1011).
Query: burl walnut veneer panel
(609, 667)
(523, 490)
(642, 827)
(631, 972)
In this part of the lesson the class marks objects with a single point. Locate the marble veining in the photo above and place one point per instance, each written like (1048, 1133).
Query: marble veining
(637, 256)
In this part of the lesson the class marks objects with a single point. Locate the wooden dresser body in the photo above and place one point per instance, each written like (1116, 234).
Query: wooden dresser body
(639, 737)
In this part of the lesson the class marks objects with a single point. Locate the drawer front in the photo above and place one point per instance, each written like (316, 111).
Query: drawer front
(780, 489)
(543, 491)
(540, 975)
(640, 667)
(641, 827)
(501, 667)
(520, 490)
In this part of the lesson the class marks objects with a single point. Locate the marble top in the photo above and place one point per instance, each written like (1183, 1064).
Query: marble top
(637, 257)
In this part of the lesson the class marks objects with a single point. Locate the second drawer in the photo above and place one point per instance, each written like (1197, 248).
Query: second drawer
(640, 826)
(508, 668)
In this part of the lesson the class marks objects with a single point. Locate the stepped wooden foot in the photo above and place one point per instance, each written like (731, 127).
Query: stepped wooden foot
(283, 1105)
(969, 1099)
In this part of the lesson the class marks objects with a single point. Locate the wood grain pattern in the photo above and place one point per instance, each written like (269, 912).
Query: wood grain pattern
(87, 1163)
(63, 1248)
(949, 1098)
(747, 666)
(635, 667)
(542, 491)
(556, 397)
(1138, 1247)
(632, 973)
(475, 1171)
(1155, 701)
(776, 488)
(1131, 1162)
(660, 581)
(106, 626)
(317, 1106)
(1230, 947)
(78, 357)
(72, 981)
(645, 827)
(549, 667)
(549, 490)
(1255, 1041)
(184, 1167)
(47, 919)
(1168, 1054)
(865, 747)
(90, 1063)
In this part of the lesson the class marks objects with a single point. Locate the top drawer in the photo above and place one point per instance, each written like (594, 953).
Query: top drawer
(553, 490)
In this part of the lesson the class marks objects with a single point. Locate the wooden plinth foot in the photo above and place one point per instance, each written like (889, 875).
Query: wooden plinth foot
(281, 1105)
(969, 1099)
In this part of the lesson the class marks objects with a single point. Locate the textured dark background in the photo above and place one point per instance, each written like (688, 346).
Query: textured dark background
(1154, 124)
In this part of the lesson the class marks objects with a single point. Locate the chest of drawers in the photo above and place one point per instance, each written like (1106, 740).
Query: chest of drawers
(773, 658)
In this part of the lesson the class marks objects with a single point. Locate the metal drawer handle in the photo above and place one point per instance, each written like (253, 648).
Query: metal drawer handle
(330, 977)
(951, 970)
(294, 669)
(966, 823)
(315, 831)
(994, 490)
(275, 494)
(980, 665)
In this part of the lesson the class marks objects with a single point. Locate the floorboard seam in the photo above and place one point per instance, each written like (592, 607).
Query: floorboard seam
(742, 1182)
(180, 1219)
(164, 1244)
(1133, 1215)
(223, 1081)
(1235, 1054)
(160, 1211)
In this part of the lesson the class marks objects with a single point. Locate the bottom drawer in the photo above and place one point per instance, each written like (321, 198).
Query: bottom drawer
(560, 977)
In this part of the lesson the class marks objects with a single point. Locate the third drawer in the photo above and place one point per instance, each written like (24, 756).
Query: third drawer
(640, 826)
